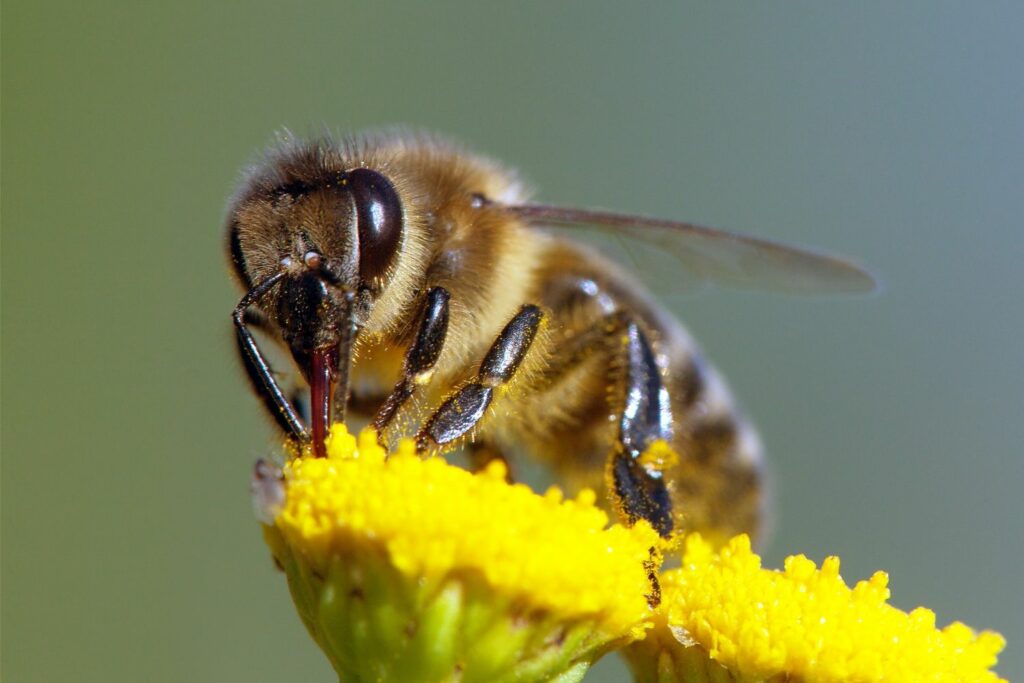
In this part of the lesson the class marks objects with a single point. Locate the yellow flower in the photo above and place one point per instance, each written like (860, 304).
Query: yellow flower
(725, 618)
(406, 569)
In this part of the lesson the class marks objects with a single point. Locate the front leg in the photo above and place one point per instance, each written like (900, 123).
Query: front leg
(258, 369)
(255, 320)
(467, 406)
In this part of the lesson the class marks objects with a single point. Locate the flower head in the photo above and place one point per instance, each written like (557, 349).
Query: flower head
(733, 620)
(412, 569)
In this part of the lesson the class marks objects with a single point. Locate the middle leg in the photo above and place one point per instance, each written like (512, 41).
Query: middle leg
(464, 409)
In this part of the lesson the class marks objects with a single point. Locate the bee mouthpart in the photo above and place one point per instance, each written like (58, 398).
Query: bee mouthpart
(329, 378)
(323, 368)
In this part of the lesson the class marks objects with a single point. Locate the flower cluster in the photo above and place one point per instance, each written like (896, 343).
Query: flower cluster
(803, 623)
(410, 569)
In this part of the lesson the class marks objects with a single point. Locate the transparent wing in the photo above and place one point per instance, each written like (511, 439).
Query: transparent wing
(718, 256)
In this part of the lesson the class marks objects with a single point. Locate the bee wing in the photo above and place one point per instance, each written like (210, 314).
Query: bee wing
(718, 256)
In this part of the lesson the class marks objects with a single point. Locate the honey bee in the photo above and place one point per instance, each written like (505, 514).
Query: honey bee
(416, 284)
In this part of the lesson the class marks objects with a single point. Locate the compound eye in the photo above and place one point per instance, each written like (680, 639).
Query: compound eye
(379, 220)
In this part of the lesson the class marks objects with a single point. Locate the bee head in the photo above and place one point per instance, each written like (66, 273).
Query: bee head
(332, 236)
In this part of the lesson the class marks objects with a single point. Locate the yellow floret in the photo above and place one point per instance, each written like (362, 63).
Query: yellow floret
(554, 555)
(804, 623)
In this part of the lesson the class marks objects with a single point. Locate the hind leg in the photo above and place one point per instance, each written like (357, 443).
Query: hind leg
(641, 411)
(645, 417)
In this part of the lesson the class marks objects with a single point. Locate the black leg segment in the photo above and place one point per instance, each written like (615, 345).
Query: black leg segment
(508, 351)
(260, 373)
(430, 337)
(646, 417)
(457, 415)
(462, 411)
(421, 356)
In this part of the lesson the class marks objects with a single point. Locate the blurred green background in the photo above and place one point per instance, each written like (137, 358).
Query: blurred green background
(895, 423)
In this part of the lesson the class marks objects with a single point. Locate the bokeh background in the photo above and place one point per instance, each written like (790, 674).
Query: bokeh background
(895, 423)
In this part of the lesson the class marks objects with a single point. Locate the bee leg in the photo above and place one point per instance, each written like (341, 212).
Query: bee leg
(467, 406)
(646, 416)
(258, 369)
(420, 358)
(644, 413)
(255, 320)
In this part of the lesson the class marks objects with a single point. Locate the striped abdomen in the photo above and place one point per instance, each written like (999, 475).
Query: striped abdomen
(570, 415)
